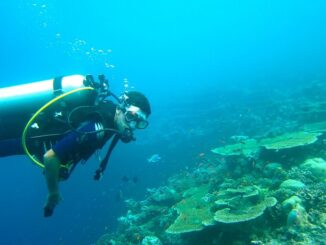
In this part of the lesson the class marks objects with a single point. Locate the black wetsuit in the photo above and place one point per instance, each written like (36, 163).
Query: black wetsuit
(71, 146)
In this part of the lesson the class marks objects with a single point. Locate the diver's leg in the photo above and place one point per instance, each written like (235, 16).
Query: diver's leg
(51, 171)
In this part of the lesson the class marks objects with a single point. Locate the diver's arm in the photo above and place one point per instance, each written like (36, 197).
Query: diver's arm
(51, 171)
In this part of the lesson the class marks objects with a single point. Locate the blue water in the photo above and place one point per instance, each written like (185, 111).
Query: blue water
(179, 53)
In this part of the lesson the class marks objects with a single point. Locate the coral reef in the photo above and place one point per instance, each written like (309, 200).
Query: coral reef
(289, 204)
(151, 240)
(292, 184)
(317, 166)
(265, 188)
(280, 148)
(243, 204)
(290, 140)
(194, 211)
(247, 147)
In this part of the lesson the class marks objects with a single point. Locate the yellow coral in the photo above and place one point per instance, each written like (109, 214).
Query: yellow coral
(289, 140)
(247, 147)
(250, 147)
(194, 212)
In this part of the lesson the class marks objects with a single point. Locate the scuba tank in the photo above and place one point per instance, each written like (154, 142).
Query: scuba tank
(19, 103)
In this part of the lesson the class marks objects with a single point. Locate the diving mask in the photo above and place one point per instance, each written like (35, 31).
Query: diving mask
(135, 117)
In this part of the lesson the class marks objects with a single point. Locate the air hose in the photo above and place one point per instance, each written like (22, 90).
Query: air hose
(51, 102)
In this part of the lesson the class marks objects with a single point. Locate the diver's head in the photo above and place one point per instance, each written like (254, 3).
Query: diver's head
(139, 100)
(132, 113)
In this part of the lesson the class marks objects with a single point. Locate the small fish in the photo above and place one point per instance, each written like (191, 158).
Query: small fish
(127, 179)
(202, 154)
(154, 158)
(135, 179)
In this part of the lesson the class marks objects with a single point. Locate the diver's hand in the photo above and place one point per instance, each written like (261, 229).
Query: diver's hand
(52, 201)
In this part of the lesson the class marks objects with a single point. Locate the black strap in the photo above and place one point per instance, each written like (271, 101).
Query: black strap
(57, 85)
(66, 172)
(104, 162)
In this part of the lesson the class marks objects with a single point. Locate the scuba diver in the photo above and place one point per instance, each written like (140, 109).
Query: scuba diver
(60, 122)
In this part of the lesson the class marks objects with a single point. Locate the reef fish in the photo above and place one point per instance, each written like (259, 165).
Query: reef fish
(154, 158)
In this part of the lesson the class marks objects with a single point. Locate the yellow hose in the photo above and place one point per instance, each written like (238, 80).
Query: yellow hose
(37, 162)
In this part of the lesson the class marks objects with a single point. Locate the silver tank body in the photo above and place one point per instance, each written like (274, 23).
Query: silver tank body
(19, 103)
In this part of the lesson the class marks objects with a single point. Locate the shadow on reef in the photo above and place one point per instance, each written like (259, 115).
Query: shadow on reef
(237, 234)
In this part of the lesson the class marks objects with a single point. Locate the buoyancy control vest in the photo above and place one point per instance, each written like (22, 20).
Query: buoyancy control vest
(19, 103)
(48, 108)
